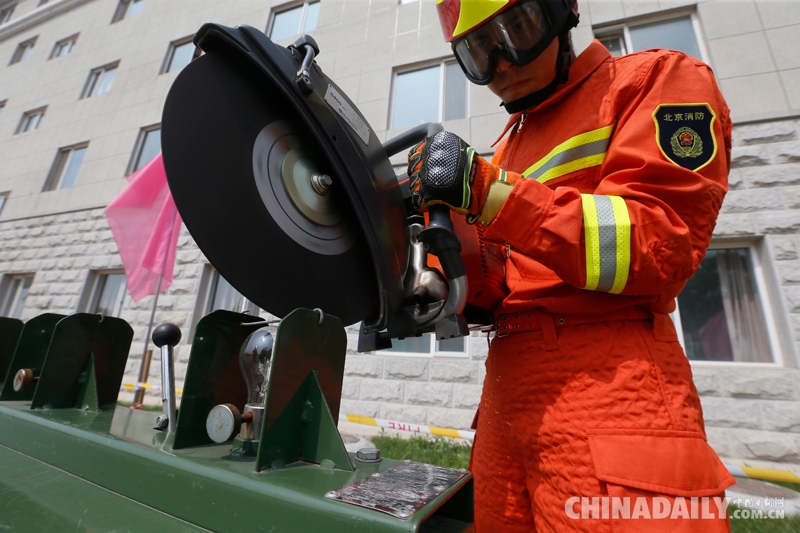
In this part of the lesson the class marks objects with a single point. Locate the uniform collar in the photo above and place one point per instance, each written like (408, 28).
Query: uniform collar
(584, 66)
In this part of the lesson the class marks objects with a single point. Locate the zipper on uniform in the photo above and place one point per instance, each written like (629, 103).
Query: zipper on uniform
(521, 121)
(508, 249)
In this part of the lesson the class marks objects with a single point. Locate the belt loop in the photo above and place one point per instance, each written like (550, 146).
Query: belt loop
(548, 331)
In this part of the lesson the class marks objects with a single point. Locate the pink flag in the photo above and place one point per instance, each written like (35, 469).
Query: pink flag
(146, 226)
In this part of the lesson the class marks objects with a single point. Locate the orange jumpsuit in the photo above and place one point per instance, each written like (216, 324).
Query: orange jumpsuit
(587, 393)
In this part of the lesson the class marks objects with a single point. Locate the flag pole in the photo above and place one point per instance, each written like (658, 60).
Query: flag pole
(142, 378)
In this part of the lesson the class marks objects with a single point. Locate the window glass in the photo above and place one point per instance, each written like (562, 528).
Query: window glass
(286, 23)
(615, 44)
(721, 314)
(416, 97)
(31, 122)
(675, 34)
(413, 345)
(3, 199)
(455, 92)
(63, 48)
(224, 296)
(109, 294)
(312, 13)
(6, 12)
(134, 8)
(182, 55)
(23, 51)
(149, 148)
(71, 168)
(451, 345)
(105, 82)
(16, 296)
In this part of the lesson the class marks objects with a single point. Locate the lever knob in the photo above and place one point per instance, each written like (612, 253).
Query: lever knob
(166, 334)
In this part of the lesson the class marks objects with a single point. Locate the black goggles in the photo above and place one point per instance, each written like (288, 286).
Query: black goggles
(519, 35)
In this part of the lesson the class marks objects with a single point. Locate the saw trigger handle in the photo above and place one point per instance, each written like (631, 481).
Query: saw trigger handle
(305, 44)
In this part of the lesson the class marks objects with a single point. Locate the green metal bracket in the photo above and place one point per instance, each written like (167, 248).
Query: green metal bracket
(30, 353)
(305, 430)
(213, 375)
(85, 349)
(88, 399)
(10, 329)
(304, 392)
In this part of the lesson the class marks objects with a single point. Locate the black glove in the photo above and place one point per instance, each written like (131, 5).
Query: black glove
(439, 172)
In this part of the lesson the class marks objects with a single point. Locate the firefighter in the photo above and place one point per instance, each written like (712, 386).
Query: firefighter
(603, 194)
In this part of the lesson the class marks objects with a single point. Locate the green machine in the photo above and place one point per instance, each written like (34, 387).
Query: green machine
(71, 460)
(290, 194)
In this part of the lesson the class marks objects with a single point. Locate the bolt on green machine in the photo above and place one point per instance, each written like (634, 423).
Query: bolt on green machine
(291, 196)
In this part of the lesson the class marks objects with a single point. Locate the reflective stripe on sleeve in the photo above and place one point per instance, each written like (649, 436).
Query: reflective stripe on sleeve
(607, 227)
(582, 151)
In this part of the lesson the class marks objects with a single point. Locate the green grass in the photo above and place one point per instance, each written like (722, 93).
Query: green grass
(432, 450)
(765, 525)
(446, 452)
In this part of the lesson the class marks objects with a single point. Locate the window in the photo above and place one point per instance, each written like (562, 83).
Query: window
(674, 34)
(15, 292)
(23, 51)
(428, 345)
(64, 46)
(127, 9)
(106, 293)
(222, 295)
(179, 54)
(3, 199)
(2, 107)
(431, 94)
(65, 167)
(294, 21)
(30, 120)
(6, 12)
(147, 147)
(100, 80)
(721, 314)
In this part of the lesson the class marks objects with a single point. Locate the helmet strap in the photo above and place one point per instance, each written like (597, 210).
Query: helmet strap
(563, 62)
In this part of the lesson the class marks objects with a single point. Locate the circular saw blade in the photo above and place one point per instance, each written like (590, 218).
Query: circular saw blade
(242, 171)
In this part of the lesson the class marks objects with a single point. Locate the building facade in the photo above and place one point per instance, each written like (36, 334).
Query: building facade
(83, 83)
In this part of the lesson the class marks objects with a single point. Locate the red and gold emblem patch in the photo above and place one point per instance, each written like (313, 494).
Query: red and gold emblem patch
(685, 134)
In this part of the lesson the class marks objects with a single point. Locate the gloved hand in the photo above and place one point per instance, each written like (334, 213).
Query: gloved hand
(443, 169)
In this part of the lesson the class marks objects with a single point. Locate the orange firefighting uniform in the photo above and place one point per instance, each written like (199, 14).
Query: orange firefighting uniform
(587, 391)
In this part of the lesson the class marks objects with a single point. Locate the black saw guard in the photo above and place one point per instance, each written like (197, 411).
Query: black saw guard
(226, 117)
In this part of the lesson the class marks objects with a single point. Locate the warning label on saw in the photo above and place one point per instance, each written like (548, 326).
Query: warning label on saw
(346, 111)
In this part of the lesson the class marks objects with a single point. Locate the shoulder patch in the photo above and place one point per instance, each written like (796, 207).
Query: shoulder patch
(685, 134)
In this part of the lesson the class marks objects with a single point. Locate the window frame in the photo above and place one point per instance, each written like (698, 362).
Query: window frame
(26, 116)
(623, 26)
(138, 147)
(165, 66)
(23, 50)
(769, 316)
(94, 79)
(209, 278)
(289, 7)
(71, 40)
(4, 200)
(433, 353)
(5, 291)
(442, 63)
(56, 174)
(122, 10)
(9, 10)
(93, 292)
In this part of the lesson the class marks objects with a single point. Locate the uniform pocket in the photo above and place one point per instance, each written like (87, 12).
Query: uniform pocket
(661, 480)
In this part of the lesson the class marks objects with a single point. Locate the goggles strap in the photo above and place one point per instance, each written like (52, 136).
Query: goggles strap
(563, 63)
